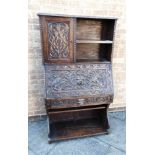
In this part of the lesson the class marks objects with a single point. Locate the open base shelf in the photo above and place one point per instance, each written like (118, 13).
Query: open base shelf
(76, 128)
(73, 122)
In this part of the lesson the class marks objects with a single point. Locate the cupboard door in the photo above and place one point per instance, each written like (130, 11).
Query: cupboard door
(57, 39)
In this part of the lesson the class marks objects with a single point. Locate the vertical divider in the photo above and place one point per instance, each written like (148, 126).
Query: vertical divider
(113, 44)
(75, 29)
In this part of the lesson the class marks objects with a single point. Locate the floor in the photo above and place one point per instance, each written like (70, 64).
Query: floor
(111, 144)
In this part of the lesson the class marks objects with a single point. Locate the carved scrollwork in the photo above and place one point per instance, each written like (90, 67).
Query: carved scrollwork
(58, 34)
(75, 80)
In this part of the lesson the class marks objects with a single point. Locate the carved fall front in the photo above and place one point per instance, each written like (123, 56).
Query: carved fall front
(78, 80)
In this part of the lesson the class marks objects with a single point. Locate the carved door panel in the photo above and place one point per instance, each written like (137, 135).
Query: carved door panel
(57, 39)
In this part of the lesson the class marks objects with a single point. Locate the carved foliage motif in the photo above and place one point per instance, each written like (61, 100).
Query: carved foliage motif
(58, 39)
(78, 80)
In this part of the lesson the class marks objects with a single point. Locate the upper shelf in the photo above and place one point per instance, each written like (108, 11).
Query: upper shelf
(95, 41)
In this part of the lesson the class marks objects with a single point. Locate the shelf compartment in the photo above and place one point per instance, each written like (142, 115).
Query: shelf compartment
(96, 29)
(93, 52)
(78, 122)
(77, 128)
(95, 41)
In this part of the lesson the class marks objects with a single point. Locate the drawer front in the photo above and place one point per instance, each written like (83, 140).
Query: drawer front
(76, 102)
(78, 80)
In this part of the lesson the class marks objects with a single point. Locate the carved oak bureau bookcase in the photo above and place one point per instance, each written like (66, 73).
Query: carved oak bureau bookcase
(78, 74)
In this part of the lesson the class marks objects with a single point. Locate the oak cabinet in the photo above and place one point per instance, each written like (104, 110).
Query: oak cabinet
(77, 54)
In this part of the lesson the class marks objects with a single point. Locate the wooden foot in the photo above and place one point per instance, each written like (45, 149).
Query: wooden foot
(49, 140)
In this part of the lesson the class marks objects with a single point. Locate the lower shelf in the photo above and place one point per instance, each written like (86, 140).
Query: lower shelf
(76, 128)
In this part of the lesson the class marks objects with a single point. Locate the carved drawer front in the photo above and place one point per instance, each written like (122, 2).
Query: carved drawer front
(57, 39)
(77, 80)
(76, 102)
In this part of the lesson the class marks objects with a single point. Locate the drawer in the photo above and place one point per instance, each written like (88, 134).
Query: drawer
(77, 102)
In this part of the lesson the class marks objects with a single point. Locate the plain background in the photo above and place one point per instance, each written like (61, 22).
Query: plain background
(140, 79)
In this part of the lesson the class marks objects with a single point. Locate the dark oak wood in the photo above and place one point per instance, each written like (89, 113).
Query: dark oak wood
(95, 29)
(77, 53)
(99, 52)
(82, 101)
(78, 124)
(79, 128)
(94, 38)
(57, 39)
(74, 110)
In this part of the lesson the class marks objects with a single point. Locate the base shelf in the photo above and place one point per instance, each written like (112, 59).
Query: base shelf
(76, 128)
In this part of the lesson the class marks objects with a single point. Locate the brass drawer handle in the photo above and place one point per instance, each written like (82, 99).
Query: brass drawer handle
(81, 101)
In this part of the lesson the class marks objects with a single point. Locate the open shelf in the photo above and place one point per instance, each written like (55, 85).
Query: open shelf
(77, 128)
(94, 29)
(95, 41)
(93, 52)
(77, 122)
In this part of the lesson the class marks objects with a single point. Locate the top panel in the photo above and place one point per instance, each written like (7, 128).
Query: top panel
(76, 16)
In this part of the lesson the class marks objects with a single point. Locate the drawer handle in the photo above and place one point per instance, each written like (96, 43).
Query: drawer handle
(81, 101)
